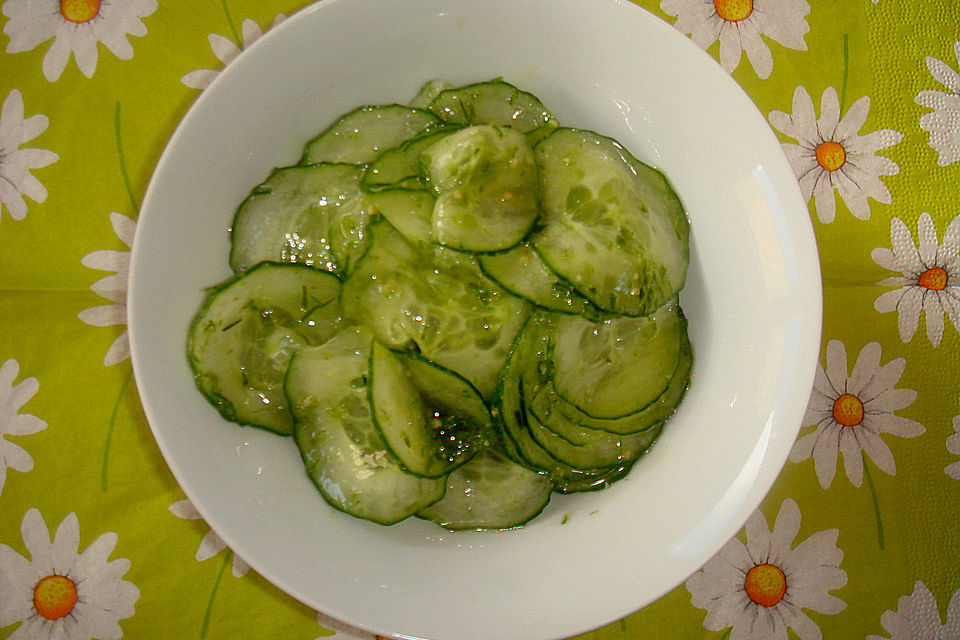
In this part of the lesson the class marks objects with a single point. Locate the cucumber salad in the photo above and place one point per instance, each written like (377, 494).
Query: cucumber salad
(455, 307)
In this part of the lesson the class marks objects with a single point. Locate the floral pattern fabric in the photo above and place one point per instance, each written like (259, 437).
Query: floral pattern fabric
(857, 539)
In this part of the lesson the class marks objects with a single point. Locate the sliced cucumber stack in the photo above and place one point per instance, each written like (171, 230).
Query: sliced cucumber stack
(416, 406)
(344, 452)
(523, 272)
(242, 339)
(435, 303)
(456, 308)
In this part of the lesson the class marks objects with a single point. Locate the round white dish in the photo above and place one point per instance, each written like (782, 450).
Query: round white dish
(752, 298)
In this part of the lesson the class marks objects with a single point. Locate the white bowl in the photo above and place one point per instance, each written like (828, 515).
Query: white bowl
(753, 300)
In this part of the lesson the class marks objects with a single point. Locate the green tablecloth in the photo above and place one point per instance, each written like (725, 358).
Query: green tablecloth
(860, 536)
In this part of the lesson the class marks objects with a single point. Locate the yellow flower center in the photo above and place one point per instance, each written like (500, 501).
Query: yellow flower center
(733, 10)
(78, 11)
(848, 410)
(934, 279)
(54, 596)
(765, 584)
(831, 155)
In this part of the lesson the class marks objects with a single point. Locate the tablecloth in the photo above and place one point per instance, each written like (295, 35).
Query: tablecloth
(859, 537)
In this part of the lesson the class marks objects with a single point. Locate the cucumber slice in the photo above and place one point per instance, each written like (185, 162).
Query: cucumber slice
(522, 272)
(485, 179)
(430, 90)
(402, 166)
(618, 366)
(344, 454)
(510, 414)
(435, 303)
(430, 438)
(312, 215)
(563, 418)
(611, 225)
(534, 136)
(576, 481)
(408, 211)
(362, 135)
(446, 390)
(246, 332)
(516, 424)
(493, 102)
(595, 451)
(490, 492)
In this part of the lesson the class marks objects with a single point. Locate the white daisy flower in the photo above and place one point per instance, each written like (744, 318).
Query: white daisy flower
(953, 446)
(943, 123)
(831, 153)
(211, 544)
(226, 50)
(929, 280)
(113, 288)
(850, 413)
(341, 630)
(76, 26)
(917, 616)
(16, 181)
(14, 423)
(760, 588)
(60, 594)
(739, 26)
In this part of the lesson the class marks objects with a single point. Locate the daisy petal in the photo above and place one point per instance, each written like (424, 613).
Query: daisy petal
(933, 311)
(852, 457)
(855, 196)
(890, 400)
(903, 248)
(85, 54)
(55, 61)
(785, 527)
(730, 47)
(908, 309)
(854, 119)
(883, 379)
(224, 48)
(879, 140)
(953, 611)
(805, 628)
(825, 454)
(829, 114)
(867, 364)
(250, 31)
(888, 301)
(877, 450)
(124, 227)
(199, 79)
(758, 53)
(758, 537)
(783, 123)
(824, 201)
(804, 117)
(803, 447)
(836, 368)
(118, 352)
(943, 74)
(899, 426)
(927, 239)
(210, 546)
